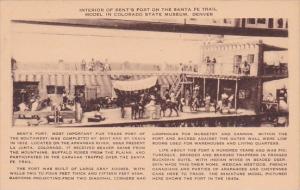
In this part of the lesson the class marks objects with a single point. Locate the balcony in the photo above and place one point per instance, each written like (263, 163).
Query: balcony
(275, 71)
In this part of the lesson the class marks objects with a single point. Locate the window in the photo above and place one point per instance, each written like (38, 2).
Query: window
(280, 23)
(250, 58)
(237, 60)
(50, 89)
(251, 20)
(261, 21)
(271, 23)
(60, 89)
(227, 21)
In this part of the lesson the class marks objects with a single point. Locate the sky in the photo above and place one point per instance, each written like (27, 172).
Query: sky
(47, 44)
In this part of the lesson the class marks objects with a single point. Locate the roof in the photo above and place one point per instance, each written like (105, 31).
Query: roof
(159, 26)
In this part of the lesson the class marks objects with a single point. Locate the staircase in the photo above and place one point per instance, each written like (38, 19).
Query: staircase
(178, 85)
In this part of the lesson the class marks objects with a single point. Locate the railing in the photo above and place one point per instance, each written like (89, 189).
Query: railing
(125, 72)
(218, 69)
(176, 86)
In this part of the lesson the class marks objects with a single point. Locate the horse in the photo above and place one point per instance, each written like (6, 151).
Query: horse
(134, 110)
(141, 106)
(167, 104)
(138, 108)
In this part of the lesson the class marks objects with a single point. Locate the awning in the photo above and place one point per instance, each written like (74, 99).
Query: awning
(51, 80)
(167, 80)
(267, 47)
(80, 79)
(133, 85)
(60, 80)
(23, 77)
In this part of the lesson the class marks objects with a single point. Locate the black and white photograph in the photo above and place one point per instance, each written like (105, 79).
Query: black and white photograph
(227, 72)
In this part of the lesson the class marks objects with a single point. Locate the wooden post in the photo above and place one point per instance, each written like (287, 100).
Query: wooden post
(203, 87)
(193, 86)
(235, 95)
(259, 95)
(260, 61)
(218, 90)
(69, 83)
